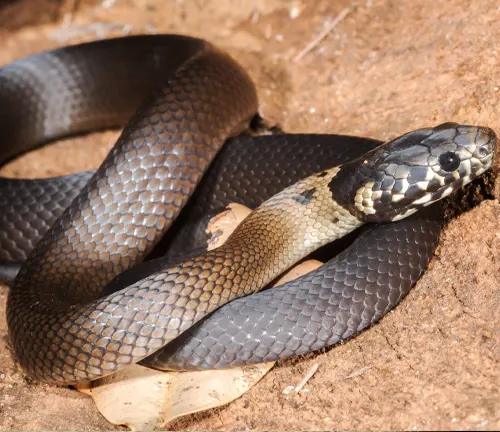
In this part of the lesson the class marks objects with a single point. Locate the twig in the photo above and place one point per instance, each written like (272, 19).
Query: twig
(108, 4)
(303, 381)
(358, 373)
(322, 35)
(71, 9)
(99, 29)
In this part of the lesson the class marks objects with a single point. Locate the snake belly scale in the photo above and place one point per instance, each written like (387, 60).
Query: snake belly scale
(62, 332)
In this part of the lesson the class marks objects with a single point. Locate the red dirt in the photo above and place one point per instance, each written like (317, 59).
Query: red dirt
(387, 68)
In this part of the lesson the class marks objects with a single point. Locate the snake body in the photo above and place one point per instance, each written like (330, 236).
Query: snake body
(62, 331)
(31, 207)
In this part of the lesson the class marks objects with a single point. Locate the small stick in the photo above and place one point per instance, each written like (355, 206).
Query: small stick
(322, 35)
(68, 16)
(303, 381)
(108, 4)
(358, 373)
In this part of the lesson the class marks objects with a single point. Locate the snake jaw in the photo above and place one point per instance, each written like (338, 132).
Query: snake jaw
(413, 171)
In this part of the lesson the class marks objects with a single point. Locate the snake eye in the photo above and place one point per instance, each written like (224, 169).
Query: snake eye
(449, 161)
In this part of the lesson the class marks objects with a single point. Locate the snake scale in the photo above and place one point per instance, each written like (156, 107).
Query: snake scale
(185, 101)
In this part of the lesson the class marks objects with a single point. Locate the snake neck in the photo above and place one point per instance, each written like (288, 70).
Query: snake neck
(291, 225)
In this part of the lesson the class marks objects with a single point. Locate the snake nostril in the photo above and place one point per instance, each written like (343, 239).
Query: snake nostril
(485, 140)
(483, 151)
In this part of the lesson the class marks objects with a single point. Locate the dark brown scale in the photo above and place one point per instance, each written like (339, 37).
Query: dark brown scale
(185, 119)
(306, 196)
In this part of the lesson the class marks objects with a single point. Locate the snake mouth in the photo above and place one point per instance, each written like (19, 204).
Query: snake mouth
(417, 169)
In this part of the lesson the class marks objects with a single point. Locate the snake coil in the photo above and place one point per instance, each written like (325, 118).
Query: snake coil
(64, 330)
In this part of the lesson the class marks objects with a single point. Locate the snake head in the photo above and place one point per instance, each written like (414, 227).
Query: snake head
(415, 170)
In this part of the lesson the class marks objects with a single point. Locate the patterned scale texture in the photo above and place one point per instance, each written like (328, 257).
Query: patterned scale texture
(345, 296)
(122, 328)
(119, 216)
(29, 208)
(248, 170)
(82, 88)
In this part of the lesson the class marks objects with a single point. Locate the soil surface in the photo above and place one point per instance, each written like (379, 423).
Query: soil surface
(388, 67)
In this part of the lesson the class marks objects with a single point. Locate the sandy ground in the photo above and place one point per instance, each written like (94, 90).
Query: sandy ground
(388, 67)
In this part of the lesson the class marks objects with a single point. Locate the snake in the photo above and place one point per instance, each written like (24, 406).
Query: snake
(184, 101)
